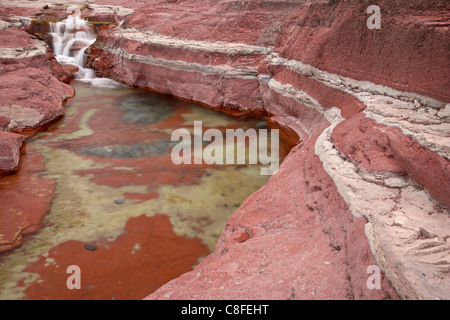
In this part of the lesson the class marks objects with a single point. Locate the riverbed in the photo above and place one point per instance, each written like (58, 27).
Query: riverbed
(119, 208)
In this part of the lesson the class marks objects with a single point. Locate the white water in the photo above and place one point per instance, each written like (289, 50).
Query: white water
(71, 38)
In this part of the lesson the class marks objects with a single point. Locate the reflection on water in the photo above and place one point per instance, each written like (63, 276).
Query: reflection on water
(121, 210)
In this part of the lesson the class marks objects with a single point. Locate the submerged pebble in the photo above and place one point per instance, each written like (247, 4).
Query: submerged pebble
(90, 247)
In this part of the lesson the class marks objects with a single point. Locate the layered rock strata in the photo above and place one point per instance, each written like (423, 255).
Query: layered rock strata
(369, 182)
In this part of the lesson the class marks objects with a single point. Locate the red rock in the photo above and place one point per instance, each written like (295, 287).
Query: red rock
(288, 112)
(312, 33)
(424, 166)
(15, 38)
(212, 90)
(251, 22)
(63, 73)
(69, 68)
(10, 11)
(312, 248)
(129, 4)
(10, 145)
(4, 121)
(118, 270)
(326, 96)
(364, 142)
(380, 56)
(31, 98)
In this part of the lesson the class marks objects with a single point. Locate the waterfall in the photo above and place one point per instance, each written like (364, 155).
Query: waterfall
(71, 37)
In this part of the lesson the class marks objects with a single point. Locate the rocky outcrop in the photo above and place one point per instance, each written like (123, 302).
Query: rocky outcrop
(10, 145)
(369, 182)
(32, 94)
(33, 91)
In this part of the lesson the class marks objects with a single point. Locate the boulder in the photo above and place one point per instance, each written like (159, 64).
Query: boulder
(10, 145)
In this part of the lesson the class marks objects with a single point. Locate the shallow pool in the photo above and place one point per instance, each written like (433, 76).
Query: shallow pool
(119, 209)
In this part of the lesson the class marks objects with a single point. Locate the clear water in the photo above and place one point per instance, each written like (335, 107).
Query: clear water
(110, 161)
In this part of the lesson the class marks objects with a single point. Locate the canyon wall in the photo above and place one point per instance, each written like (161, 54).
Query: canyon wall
(369, 179)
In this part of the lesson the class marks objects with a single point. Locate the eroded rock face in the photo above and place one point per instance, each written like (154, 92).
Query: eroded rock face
(23, 212)
(369, 182)
(293, 239)
(10, 145)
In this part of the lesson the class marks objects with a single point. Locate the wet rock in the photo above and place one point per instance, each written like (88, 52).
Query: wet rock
(70, 69)
(10, 145)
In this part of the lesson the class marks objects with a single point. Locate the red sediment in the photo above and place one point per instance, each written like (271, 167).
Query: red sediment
(147, 255)
(141, 196)
(151, 172)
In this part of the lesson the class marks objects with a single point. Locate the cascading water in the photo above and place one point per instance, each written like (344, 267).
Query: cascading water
(71, 38)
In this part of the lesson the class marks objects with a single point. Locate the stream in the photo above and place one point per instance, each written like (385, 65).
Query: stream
(119, 208)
